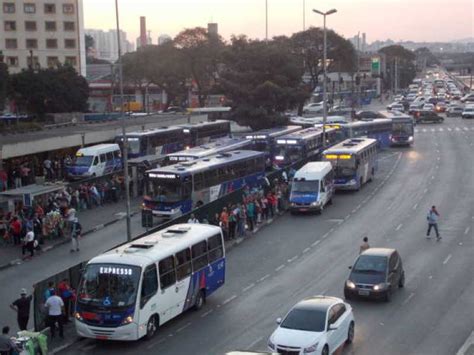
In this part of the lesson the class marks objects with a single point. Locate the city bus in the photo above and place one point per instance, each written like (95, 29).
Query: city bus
(204, 132)
(307, 122)
(378, 128)
(354, 161)
(215, 147)
(130, 291)
(301, 145)
(157, 141)
(265, 139)
(403, 128)
(176, 189)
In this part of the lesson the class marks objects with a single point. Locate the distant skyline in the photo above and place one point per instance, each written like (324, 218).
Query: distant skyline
(399, 20)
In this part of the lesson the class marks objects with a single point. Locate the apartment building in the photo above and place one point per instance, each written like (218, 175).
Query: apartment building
(42, 33)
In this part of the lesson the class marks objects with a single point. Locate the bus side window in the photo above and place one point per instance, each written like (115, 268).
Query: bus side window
(183, 264)
(167, 272)
(199, 254)
(96, 160)
(102, 158)
(149, 285)
(110, 156)
(214, 246)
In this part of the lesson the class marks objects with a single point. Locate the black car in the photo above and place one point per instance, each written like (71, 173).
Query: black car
(428, 116)
(174, 109)
(367, 114)
(376, 274)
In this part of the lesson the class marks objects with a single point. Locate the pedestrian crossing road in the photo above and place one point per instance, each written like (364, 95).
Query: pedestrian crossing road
(444, 129)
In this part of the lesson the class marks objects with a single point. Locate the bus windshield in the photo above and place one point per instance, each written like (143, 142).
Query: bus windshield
(109, 285)
(85, 160)
(291, 152)
(133, 145)
(344, 167)
(405, 129)
(260, 146)
(163, 190)
(305, 186)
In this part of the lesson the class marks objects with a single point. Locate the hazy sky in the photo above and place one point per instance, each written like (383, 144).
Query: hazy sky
(418, 20)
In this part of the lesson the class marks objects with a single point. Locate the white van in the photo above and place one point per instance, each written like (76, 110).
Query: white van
(312, 187)
(97, 160)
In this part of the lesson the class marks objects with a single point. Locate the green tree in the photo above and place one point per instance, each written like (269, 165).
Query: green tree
(4, 77)
(202, 55)
(261, 80)
(404, 60)
(89, 40)
(52, 90)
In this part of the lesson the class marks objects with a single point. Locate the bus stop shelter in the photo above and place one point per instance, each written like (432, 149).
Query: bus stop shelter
(28, 194)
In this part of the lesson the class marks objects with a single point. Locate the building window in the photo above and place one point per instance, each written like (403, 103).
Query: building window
(8, 8)
(49, 8)
(51, 43)
(9, 25)
(12, 61)
(72, 61)
(50, 26)
(52, 61)
(29, 8)
(32, 61)
(30, 25)
(69, 43)
(68, 9)
(11, 43)
(31, 43)
(69, 26)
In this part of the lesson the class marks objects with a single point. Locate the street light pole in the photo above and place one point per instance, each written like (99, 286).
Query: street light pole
(325, 104)
(266, 20)
(122, 117)
(304, 15)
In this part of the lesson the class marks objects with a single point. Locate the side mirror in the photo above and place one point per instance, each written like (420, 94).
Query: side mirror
(332, 327)
(278, 321)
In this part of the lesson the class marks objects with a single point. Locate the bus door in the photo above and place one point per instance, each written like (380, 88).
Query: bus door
(149, 303)
(167, 294)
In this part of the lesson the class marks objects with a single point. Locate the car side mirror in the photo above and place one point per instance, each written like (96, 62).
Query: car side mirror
(332, 327)
(278, 320)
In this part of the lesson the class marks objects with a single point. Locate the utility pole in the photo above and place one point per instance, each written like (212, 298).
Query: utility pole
(266, 21)
(304, 15)
(396, 75)
(124, 137)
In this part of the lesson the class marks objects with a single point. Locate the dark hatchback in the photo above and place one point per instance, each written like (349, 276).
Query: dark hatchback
(376, 274)
(428, 116)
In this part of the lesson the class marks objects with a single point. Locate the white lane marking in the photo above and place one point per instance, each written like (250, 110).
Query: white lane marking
(359, 206)
(331, 230)
(432, 178)
(466, 129)
(280, 267)
(253, 343)
(467, 345)
(433, 130)
(425, 191)
(354, 210)
(430, 277)
(325, 236)
(438, 158)
(449, 129)
(399, 227)
(264, 278)
(306, 250)
(230, 299)
(347, 217)
(408, 298)
(457, 129)
(467, 230)
(207, 313)
(424, 129)
(88, 347)
(315, 243)
(151, 346)
(183, 327)
(441, 130)
(447, 259)
(340, 222)
(248, 287)
(415, 206)
(292, 259)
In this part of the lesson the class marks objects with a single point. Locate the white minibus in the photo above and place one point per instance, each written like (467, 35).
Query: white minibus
(97, 160)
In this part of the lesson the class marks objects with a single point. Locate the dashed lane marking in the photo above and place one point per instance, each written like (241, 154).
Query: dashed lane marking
(248, 287)
(399, 227)
(183, 327)
(467, 230)
(447, 259)
(279, 268)
(156, 343)
(468, 344)
(253, 343)
(315, 243)
(325, 236)
(207, 313)
(408, 298)
(230, 299)
(263, 278)
(415, 206)
(306, 250)
(292, 259)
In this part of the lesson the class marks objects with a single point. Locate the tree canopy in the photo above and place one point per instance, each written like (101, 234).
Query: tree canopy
(404, 60)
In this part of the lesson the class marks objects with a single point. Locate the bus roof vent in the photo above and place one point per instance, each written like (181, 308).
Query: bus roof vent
(179, 230)
(180, 168)
(145, 245)
(206, 159)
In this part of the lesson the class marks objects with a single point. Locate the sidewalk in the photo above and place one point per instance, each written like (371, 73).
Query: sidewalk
(91, 221)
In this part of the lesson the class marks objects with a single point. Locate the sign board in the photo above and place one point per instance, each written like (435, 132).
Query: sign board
(376, 65)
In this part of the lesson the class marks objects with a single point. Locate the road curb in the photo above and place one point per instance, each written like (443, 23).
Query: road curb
(67, 240)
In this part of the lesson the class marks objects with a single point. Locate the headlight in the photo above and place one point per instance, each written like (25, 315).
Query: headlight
(353, 182)
(350, 284)
(311, 349)
(410, 138)
(271, 345)
(279, 157)
(127, 320)
(78, 316)
(379, 287)
(315, 203)
(293, 204)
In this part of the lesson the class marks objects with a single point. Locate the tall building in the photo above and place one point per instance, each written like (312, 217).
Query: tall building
(164, 38)
(143, 33)
(212, 31)
(42, 33)
(105, 44)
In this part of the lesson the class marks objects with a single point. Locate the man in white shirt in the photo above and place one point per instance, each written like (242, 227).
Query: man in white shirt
(193, 219)
(29, 243)
(55, 307)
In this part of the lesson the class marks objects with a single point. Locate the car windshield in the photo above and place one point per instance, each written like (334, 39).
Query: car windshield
(371, 264)
(85, 160)
(305, 186)
(109, 285)
(311, 320)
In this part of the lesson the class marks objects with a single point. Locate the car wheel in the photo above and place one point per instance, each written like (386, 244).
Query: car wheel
(347, 295)
(350, 333)
(151, 328)
(388, 295)
(199, 301)
(401, 283)
(325, 350)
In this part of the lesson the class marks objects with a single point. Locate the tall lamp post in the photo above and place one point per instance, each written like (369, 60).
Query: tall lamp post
(325, 98)
(122, 117)
(266, 20)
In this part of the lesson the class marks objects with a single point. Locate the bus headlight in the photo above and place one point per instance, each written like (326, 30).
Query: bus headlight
(410, 139)
(279, 157)
(127, 320)
(353, 182)
(316, 203)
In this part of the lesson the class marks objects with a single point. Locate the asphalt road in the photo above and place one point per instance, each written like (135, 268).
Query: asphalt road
(299, 256)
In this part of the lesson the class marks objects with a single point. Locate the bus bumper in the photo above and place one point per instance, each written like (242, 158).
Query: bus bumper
(124, 333)
(300, 208)
(168, 214)
(351, 185)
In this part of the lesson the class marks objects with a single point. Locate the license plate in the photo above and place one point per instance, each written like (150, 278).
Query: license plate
(364, 293)
(102, 337)
(303, 209)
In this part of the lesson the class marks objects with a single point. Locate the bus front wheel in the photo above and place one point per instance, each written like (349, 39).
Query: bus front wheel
(151, 327)
(200, 299)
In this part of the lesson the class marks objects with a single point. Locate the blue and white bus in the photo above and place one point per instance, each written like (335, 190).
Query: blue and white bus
(354, 161)
(204, 132)
(307, 122)
(129, 292)
(218, 146)
(403, 128)
(176, 189)
(265, 139)
(304, 144)
(378, 128)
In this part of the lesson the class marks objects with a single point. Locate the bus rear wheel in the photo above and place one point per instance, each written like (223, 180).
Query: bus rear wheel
(151, 328)
(200, 299)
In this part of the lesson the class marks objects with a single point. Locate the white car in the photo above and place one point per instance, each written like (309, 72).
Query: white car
(397, 107)
(314, 107)
(428, 107)
(317, 325)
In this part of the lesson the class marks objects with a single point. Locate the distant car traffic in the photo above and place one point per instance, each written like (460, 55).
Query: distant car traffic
(317, 325)
(454, 111)
(441, 106)
(397, 107)
(376, 273)
(468, 98)
(428, 107)
(315, 107)
(468, 112)
(367, 114)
